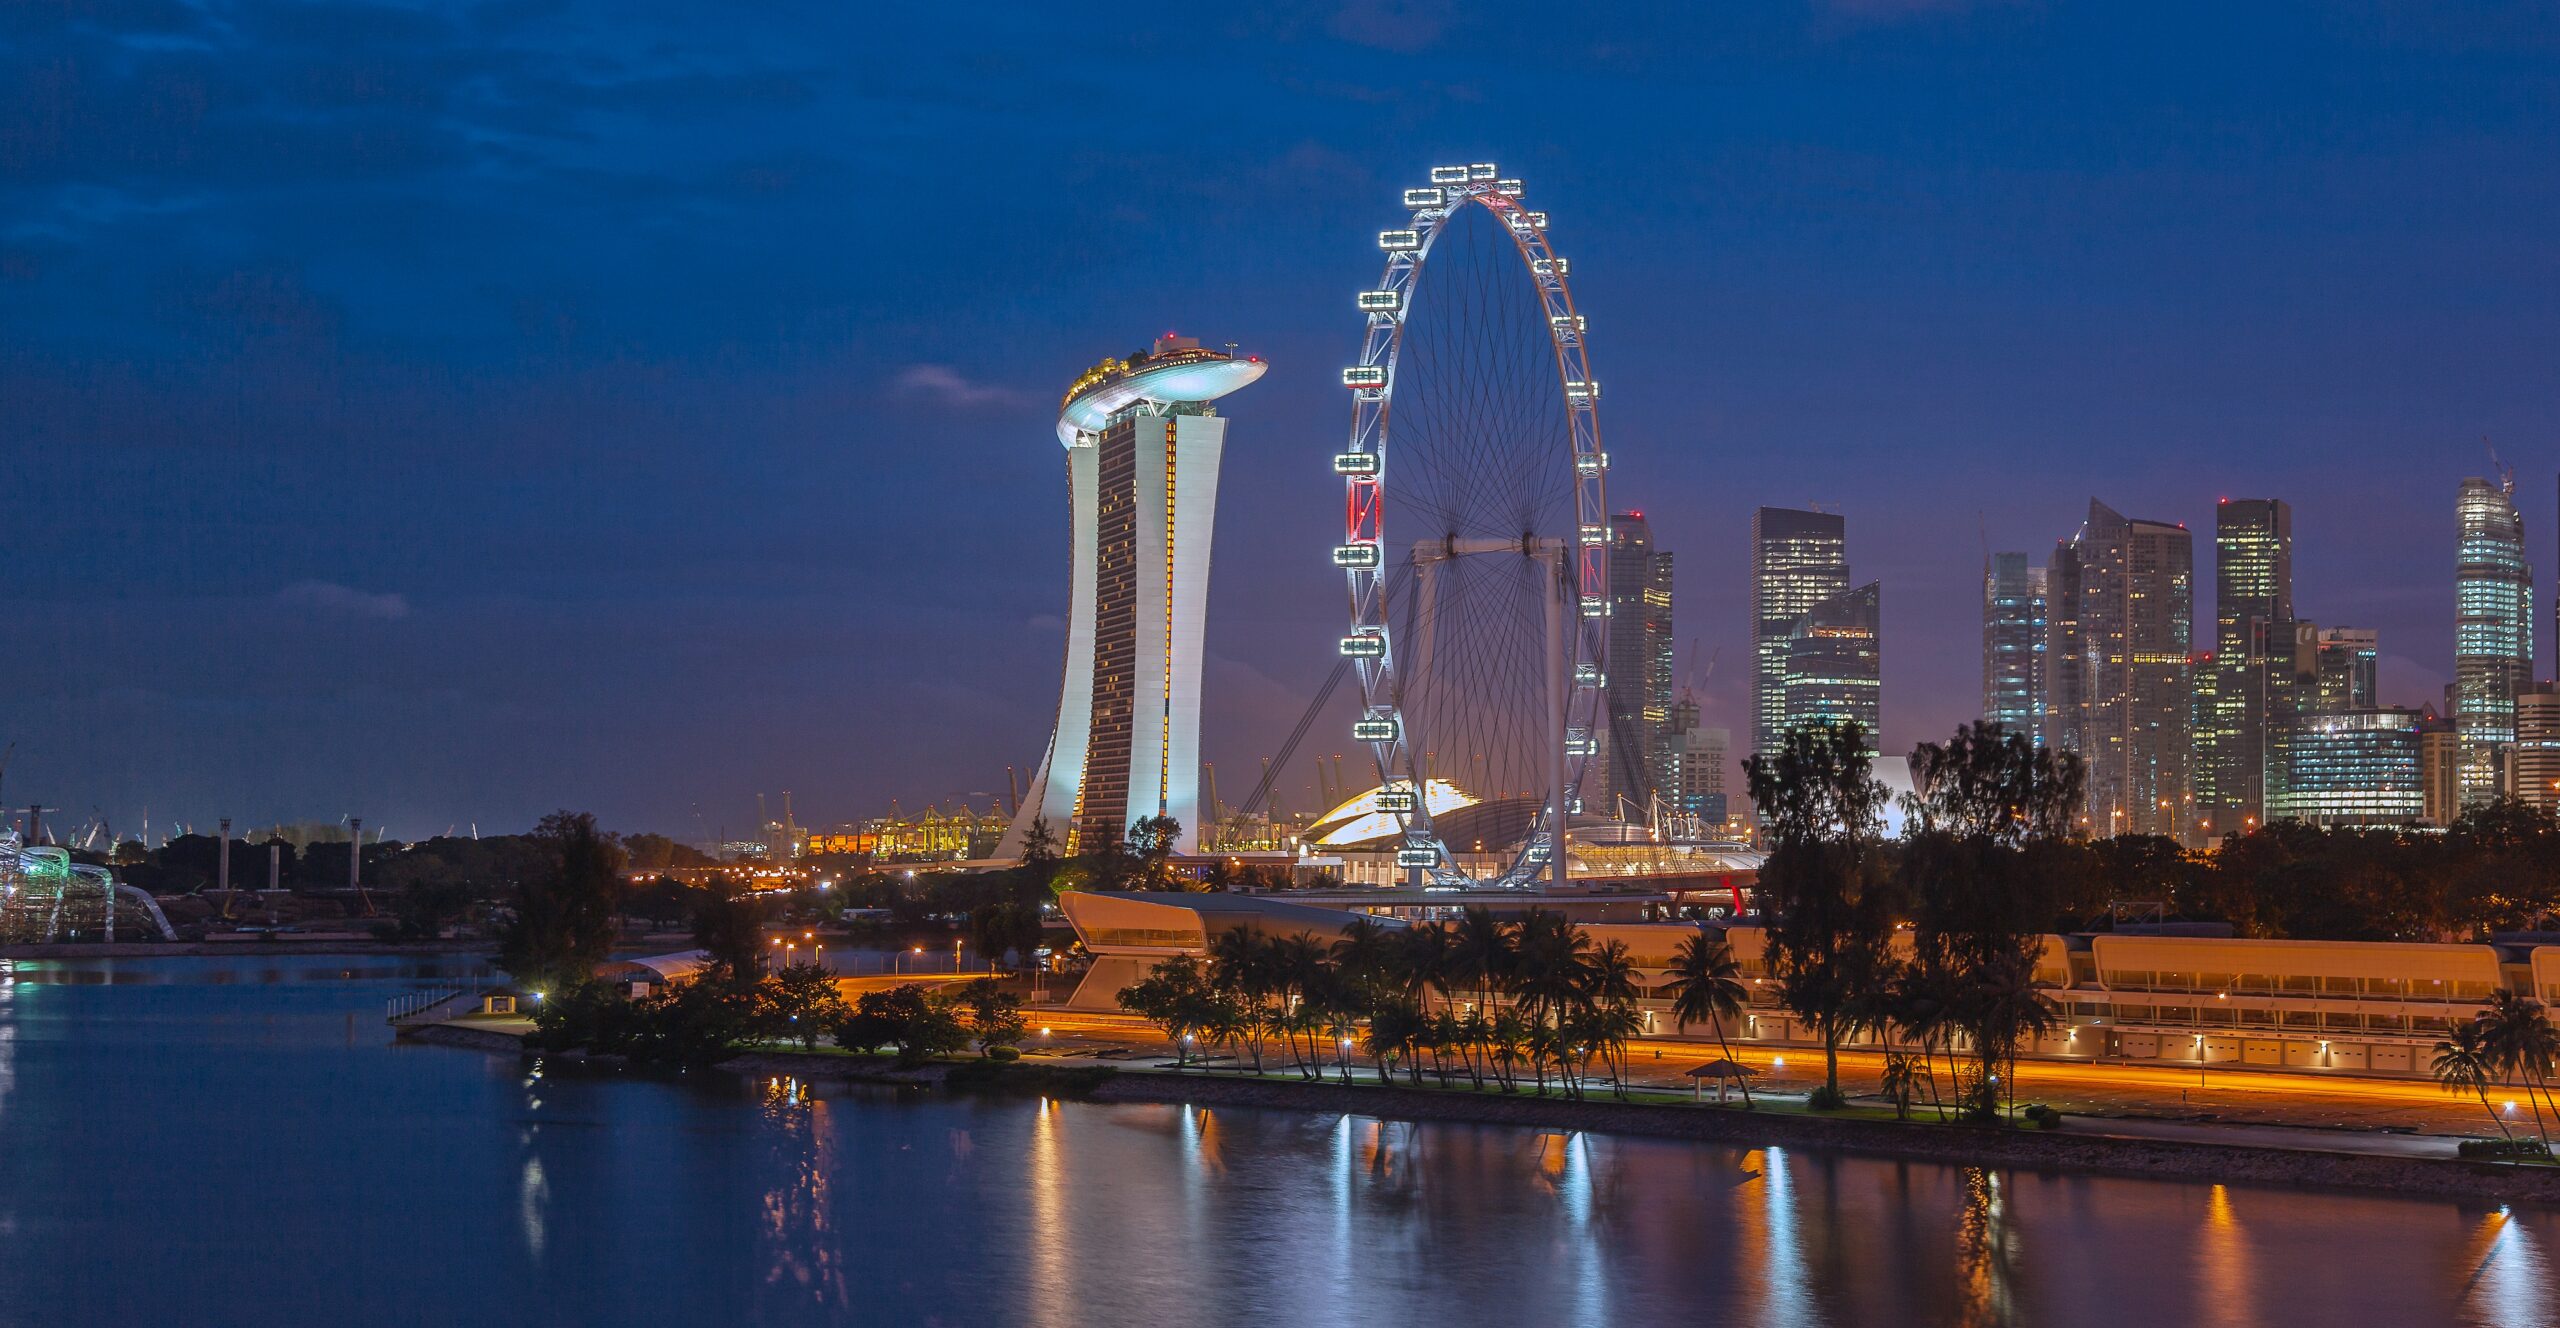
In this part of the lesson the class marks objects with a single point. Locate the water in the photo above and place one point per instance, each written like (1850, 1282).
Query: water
(236, 1141)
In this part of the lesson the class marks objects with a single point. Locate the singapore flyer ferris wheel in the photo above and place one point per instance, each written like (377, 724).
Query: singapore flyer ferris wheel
(1476, 536)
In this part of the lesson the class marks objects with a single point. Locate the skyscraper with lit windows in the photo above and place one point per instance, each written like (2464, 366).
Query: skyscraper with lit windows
(1640, 764)
(1835, 664)
(2014, 627)
(2493, 636)
(2254, 680)
(1798, 560)
(2131, 617)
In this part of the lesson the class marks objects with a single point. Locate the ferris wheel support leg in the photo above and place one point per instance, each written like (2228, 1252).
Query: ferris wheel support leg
(1559, 683)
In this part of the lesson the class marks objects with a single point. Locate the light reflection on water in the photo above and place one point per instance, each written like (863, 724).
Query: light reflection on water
(164, 1140)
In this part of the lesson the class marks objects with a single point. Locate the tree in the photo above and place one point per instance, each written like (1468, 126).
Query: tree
(1242, 968)
(1980, 914)
(1175, 996)
(2464, 1063)
(2523, 1044)
(1150, 849)
(1706, 988)
(1007, 926)
(919, 1024)
(799, 1002)
(563, 925)
(1040, 853)
(1901, 1078)
(1822, 811)
(728, 924)
(994, 1015)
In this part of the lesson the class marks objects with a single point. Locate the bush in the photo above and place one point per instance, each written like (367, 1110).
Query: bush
(1826, 1098)
(2043, 1117)
(2521, 1149)
(1001, 1053)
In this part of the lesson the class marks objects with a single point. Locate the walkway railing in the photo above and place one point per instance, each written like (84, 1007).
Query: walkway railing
(427, 1007)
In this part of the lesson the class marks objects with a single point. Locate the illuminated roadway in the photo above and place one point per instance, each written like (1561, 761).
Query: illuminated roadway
(2167, 1092)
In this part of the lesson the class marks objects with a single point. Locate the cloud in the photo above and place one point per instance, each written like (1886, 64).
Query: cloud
(942, 383)
(1889, 11)
(329, 597)
(1391, 25)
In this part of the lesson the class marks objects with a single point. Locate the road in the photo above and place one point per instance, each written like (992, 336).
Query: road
(2252, 1097)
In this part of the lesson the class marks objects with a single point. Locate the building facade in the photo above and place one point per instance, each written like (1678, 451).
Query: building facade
(1798, 560)
(2439, 761)
(2014, 627)
(2537, 759)
(2066, 689)
(2493, 636)
(2349, 769)
(1694, 779)
(1835, 664)
(2349, 660)
(1143, 450)
(2247, 687)
(2133, 629)
(1638, 687)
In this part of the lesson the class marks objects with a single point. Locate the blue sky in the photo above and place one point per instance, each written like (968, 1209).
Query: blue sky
(449, 412)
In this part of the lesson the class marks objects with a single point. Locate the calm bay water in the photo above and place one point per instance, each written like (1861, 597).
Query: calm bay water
(237, 1141)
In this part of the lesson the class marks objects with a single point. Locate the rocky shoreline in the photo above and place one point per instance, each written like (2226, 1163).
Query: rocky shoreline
(2052, 1151)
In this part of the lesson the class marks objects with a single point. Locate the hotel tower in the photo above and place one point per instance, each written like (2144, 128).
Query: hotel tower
(1143, 444)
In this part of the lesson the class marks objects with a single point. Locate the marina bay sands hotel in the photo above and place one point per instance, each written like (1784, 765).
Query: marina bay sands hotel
(1143, 445)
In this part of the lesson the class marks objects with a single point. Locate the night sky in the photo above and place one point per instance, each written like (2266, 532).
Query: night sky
(446, 413)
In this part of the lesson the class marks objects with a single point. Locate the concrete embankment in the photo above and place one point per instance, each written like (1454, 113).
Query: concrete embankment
(237, 949)
(2075, 1148)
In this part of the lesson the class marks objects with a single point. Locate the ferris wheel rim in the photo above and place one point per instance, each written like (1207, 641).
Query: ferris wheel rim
(1364, 466)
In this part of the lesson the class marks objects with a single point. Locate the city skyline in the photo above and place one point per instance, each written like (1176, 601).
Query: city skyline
(441, 499)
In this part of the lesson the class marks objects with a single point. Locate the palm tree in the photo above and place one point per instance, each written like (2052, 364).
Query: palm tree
(1394, 1028)
(1506, 1042)
(1901, 1079)
(1424, 960)
(1706, 988)
(1364, 956)
(1298, 972)
(1240, 967)
(1923, 1006)
(2465, 1064)
(1612, 1026)
(1552, 964)
(1480, 959)
(2005, 1007)
(1608, 974)
(2524, 1045)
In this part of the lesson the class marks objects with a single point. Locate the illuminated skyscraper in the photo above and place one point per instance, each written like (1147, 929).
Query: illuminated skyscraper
(1143, 448)
(2247, 688)
(1798, 560)
(2492, 636)
(2131, 620)
(1640, 663)
(2014, 627)
(1834, 665)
